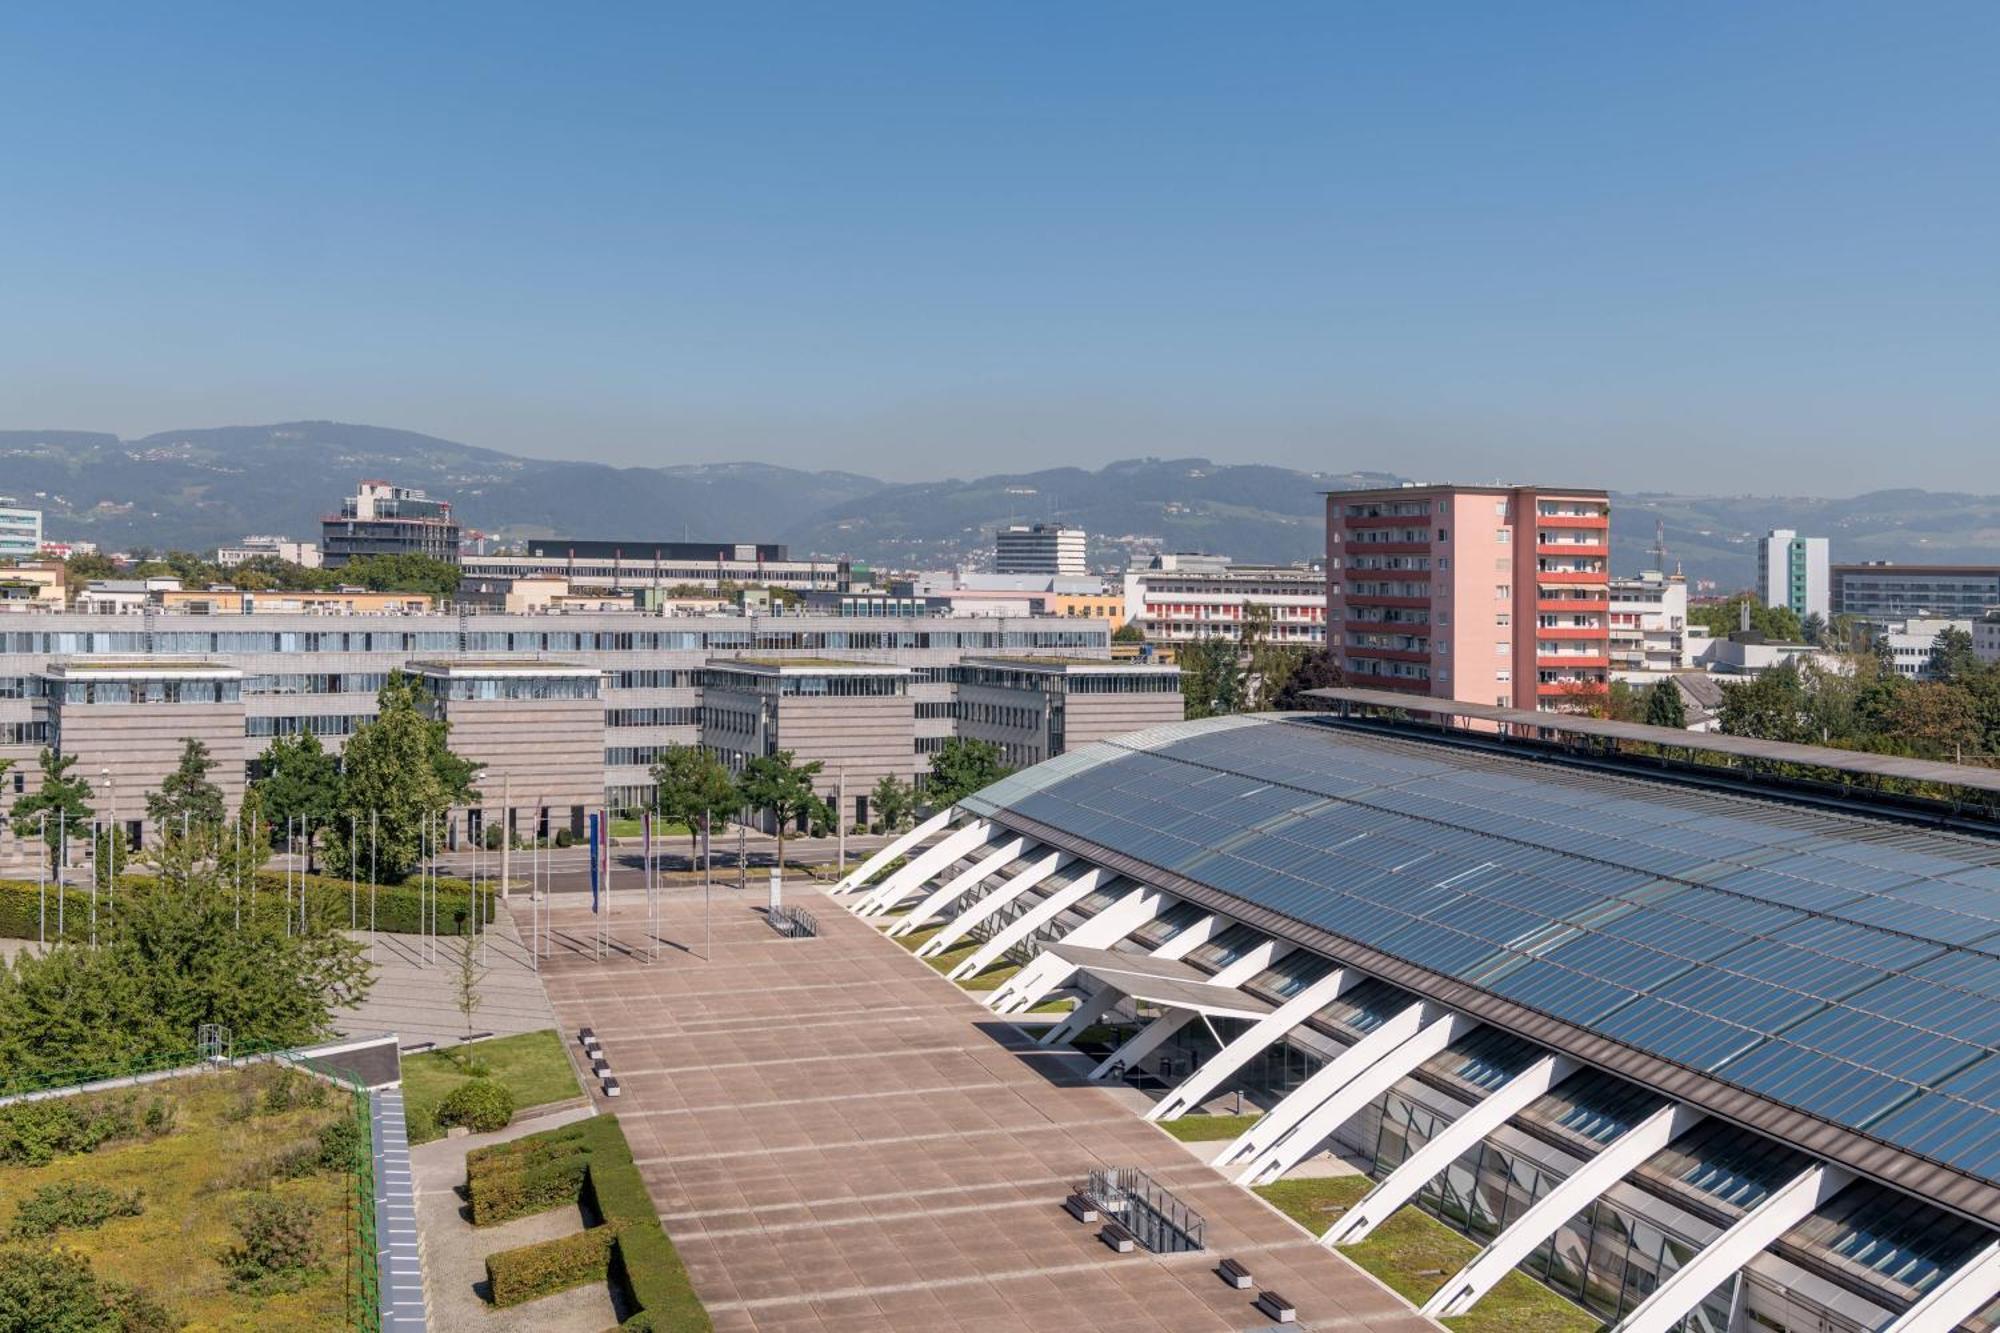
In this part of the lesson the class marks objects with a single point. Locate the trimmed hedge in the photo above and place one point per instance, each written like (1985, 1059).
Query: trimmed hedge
(542, 1269)
(589, 1157)
(398, 908)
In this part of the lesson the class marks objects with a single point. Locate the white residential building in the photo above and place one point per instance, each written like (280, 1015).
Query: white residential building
(20, 531)
(1910, 643)
(1986, 637)
(1186, 597)
(1649, 624)
(1040, 548)
(281, 548)
(1793, 571)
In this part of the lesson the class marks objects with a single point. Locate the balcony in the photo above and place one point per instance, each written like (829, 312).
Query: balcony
(1567, 605)
(1571, 661)
(1572, 578)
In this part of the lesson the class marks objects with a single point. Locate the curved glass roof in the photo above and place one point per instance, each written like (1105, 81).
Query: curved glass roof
(1844, 966)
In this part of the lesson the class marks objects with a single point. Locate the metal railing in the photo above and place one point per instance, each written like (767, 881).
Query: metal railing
(1158, 1220)
(794, 922)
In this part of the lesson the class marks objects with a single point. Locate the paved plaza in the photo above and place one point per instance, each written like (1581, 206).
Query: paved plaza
(839, 1139)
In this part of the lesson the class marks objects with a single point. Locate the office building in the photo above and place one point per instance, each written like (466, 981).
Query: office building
(1649, 624)
(1035, 708)
(1186, 597)
(1696, 1049)
(305, 554)
(1792, 571)
(1883, 591)
(1040, 548)
(654, 567)
(381, 519)
(1490, 594)
(318, 671)
(20, 531)
(1986, 637)
(1908, 643)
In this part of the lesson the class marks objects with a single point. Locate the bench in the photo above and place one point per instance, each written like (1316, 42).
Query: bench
(1235, 1274)
(1081, 1208)
(586, 1034)
(1277, 1308)
(1118, 1238)
(610, 1086)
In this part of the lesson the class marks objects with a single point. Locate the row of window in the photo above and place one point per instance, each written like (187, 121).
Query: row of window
(652, 717)
(67, 643)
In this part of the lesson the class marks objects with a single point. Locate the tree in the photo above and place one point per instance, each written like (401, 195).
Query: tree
(689, 782)
(782, 787)
(298, 780)
(1778, 624)
(1664, 706)
(84, 566)
(1319, 669)
(892, 802)
(183, 949)
(402, 573)
(1212, 678)
(465, 992)
(1266, 665)
(1934, 720)
(1129, 632)
(186, 795)
(1584, 698)
(399, 768)
(1952, 658)
(63, 799)
(960, 767)
(1772, 706)
(1814, 628)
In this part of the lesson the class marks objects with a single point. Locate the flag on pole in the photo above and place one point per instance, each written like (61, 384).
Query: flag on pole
(646, 826)
(595, 853)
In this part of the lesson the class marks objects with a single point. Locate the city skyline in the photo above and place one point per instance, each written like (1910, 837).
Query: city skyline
(1620, 247)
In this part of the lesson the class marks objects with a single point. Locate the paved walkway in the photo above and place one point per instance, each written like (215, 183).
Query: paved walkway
(455, 1253)
(417, 1000)
(838, 1139)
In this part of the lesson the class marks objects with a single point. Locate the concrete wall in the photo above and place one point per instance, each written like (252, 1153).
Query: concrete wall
(867, 738)
(550, 752)
(140, 744)
(1096, 717)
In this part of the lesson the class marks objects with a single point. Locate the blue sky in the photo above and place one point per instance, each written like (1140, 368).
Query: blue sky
(1715, 247)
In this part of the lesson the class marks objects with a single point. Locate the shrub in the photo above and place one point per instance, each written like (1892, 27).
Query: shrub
(278, 1248)
(533, 1271)
(340, 1143)
(531, 1185)
(45, 1289)
(36, 1133)
(564, 838)
(397, 907)
(481, 1105)
(160, 1115)
(71, 1205)
(419, 1123)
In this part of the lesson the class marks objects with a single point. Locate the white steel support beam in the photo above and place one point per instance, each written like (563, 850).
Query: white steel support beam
(1097, 1005)
(1003, 854)
(1972, 1286)
(1725, 1256)
(1196, 935)
(862, 873)
(1295, 1105)
(1145, 1041)
(1348, 1101)
(1445, 1147)
(957, 928)
(921, 867)
(1025, 925)
(1618, 1159)
(1109, 926)
(1260, 1036)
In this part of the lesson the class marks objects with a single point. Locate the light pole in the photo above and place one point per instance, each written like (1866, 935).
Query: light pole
(111, 843)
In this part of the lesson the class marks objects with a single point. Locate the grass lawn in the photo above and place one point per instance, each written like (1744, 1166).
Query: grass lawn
(631, 828)
(1197, 1128)
(532, 1065)
(916, 938)
(951, 958)
(1413, 1253)
(991, 978)
(1054, 1007)
(194, 1179)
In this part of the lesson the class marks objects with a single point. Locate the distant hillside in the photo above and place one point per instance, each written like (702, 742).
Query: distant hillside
(196, 489)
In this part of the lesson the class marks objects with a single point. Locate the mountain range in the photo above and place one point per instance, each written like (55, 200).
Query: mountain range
(195, 489)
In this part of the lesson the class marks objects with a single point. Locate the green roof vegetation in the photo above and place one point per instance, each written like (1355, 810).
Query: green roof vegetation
(1413, 1254)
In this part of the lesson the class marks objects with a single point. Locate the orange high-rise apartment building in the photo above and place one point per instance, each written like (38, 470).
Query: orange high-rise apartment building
(1485, 594)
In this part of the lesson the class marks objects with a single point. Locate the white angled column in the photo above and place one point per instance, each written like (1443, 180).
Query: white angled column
(1349, 1100)
(1781, 1210)
(1972, 1286)
(1003, 854)
(1090, 1010)
(1024, 925)
(1295, 1105)
(866, 871)
(1143, 1042)
(1445, 1147)
(1261, 1035)
(959, 926)
(1102, 931)
(900, 884)
(1616, 1160)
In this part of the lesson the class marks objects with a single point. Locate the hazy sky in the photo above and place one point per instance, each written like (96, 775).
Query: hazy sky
(1700, 246)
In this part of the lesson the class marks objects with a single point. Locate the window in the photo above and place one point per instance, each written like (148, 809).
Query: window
(1444, 534)
(1503, 649)
(1504, 618)
(1503, 535)
(1503, 592)
(1444, 562)
(1504, 675)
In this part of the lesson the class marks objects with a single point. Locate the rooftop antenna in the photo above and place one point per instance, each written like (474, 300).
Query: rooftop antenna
(1660, 544)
